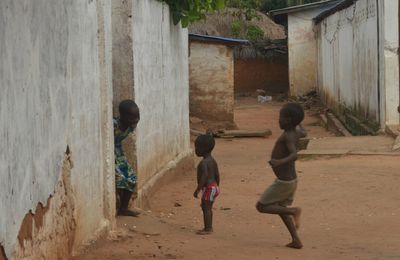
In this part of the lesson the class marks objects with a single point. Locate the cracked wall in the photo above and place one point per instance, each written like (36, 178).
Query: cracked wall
(55, 90)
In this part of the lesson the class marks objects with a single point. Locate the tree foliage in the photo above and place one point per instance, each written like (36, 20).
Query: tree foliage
(189, 11)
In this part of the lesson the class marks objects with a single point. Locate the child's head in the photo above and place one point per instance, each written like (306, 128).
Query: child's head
(204, 145)
(129, 113)
(291, 115)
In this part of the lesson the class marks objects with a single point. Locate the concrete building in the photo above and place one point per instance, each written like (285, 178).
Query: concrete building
(56, 161)
(358, 62)
(211, 66)
(58, 58)
(302, 43)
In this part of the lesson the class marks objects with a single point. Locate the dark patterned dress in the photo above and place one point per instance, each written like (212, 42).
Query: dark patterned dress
(125, 176)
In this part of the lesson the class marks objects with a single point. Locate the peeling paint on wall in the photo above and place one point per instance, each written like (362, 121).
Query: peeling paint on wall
(2, 253)
(48, 232)
(52, 80)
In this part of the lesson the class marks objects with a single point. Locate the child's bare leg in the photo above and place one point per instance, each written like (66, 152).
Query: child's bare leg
(206, 206)
(125, 197)
(280, 210)
(296, 243)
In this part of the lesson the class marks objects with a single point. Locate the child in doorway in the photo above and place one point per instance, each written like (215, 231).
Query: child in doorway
(207, 180)
(125, 176)
(280, 195)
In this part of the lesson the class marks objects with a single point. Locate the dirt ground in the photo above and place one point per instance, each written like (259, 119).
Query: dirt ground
(350, 206)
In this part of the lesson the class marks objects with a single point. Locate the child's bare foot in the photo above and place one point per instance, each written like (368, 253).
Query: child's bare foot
(127, 212)
(296, 218)
(204, 232)
(295, 245)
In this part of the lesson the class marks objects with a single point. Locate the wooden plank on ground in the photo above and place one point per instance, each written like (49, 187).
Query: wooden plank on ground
(243, 133)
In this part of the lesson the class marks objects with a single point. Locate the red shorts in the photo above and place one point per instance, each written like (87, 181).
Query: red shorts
(210, 192)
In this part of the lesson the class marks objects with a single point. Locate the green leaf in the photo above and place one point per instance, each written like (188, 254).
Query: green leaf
(185, 22)
(189, 11)
(220, 4)
(176, 17)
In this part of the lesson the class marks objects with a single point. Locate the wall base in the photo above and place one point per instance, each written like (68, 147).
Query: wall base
(184, 163)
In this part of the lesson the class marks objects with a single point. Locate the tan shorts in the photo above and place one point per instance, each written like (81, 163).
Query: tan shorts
(280, 192)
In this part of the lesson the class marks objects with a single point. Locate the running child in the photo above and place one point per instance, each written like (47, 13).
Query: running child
(280, 195)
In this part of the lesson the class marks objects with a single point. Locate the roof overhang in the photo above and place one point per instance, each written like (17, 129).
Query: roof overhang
(299, 8)
(338, 7)
(216, 39)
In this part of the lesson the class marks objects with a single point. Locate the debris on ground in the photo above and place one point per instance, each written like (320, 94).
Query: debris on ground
(261, 92)
(242, 133)
(196, 132)
(222, 208)
(195, 120)
(264, 99)
(310, 100)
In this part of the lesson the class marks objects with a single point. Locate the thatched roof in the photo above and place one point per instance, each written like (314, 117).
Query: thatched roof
(220, 24)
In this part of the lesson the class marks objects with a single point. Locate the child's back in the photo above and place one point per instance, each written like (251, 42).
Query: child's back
(209, 167)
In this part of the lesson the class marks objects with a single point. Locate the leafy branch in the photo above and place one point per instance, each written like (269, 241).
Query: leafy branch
(189, 11)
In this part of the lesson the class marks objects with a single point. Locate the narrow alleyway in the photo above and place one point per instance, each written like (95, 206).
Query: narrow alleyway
(350, 205)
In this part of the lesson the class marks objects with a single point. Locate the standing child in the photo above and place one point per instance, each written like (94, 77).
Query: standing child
(280, 195)
(125, 176)
(207, 180)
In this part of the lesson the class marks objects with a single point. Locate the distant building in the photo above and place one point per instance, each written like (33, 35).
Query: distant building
(348, 51)
(262, 66)
(358, 62)
(302, 45)
(211, 74)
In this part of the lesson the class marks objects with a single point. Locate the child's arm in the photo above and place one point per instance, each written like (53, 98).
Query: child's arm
(291, 145)
(301, 131)
(217, 175)
(202, 181)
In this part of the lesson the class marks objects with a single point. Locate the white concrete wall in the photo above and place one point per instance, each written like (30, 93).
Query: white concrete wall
(302, 52)
(349, 61)
(389, 61)
(211, 82)
(54, 91)
(161, 88)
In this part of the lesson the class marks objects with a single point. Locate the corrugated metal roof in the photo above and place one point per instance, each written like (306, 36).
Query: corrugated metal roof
(299, 8)
(340, 6)
(216, 39)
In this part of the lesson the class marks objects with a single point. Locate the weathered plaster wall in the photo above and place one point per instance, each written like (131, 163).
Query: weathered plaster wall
(211, 82)
(349, 59)
(302, 46)
(269, 73)
(389, 61)
(161, 88)
(55, 91)
(302, 52)
(123, 70)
